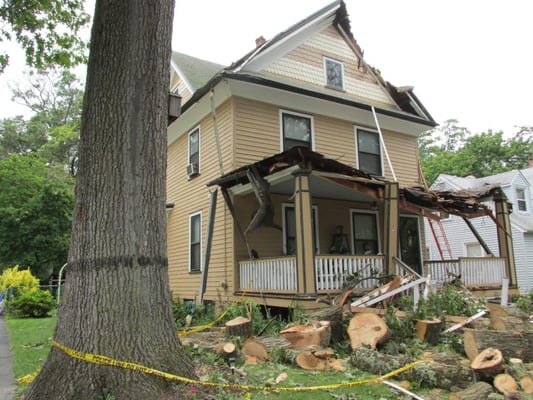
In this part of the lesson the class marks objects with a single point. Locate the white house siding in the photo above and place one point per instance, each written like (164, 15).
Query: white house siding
(524, 264)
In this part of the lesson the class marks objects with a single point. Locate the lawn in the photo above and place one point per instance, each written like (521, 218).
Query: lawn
(30, 343)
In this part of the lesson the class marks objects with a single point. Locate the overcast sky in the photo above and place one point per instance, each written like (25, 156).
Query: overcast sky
(468, 60)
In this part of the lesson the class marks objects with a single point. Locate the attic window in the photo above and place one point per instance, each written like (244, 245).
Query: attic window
(334, 71)
(521, 199)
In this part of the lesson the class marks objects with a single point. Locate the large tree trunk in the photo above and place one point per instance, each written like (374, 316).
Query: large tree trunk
(116, 300)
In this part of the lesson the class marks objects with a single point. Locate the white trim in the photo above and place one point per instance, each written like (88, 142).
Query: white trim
(352, 236)
(297, 114)
(182, 77)
(284, 207)
(196, 128)
(465, 249)
(191, 216)
(326, 73)
(356, 138)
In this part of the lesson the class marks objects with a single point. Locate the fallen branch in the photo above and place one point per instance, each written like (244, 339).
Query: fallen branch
(402, 390)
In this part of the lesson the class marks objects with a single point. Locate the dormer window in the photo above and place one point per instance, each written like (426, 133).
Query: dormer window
(521, 200)
(334, 71)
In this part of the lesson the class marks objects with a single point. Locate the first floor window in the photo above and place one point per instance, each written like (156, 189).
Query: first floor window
(195, 242)
(369, 152)
(296, 130)
(365, 233)
(289, 229)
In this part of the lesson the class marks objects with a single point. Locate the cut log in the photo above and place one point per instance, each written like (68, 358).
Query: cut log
(506, 385)
(511, 344)
(324, 354)
(307, 360)
(367, 329)
(270, 342)
(509, 323)
(253, 348)
(305, 336)
(239, 326)
(426, 374)
(228, 348)
(478, 391)
(488, 363)
(526, 383)
(428, 330)
(333, 314)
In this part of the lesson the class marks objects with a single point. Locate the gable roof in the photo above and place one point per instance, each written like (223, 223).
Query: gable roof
(452, 182)
(248, 69)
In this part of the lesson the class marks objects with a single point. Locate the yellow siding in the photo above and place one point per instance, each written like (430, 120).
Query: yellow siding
(403, 152)
(192, 195)
(306, 64)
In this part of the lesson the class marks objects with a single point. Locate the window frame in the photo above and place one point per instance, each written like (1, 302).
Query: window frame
(189, 154)
(357, 129)
(311, 142)
(521, 200)
(478, 245)
(352, 231)
(284, 207)
(199, 243)
(326, 75)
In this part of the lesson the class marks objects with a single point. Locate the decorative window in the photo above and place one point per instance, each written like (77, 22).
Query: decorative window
(334, 71)
(296, 130)
(195, 242)
(365, 233)
(369, 152)
(521, 200)
(474, 249)
(289, 229)
(193, 168)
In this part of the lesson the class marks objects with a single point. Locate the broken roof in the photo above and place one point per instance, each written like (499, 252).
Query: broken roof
(465, 203)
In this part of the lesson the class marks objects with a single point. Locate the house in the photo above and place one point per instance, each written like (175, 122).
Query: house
(311, 150)
(462, 241)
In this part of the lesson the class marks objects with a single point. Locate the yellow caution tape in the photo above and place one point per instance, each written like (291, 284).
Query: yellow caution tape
(106, 361)
(28, 378)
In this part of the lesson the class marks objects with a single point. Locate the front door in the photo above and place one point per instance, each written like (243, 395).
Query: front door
(410, 242)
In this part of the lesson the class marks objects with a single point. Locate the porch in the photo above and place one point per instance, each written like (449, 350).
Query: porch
(278, 275)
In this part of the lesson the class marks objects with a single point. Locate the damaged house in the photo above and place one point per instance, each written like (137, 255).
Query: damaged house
(295, 168)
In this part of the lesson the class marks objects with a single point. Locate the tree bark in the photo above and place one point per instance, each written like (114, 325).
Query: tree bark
(511, 344)
(116, 300)
(239, 326)
(478, 391)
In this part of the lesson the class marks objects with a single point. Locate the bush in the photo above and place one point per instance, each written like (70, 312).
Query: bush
(34, 303)
(22, 279)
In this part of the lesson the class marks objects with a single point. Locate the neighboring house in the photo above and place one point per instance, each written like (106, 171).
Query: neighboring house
(463, 243)
(311, 149)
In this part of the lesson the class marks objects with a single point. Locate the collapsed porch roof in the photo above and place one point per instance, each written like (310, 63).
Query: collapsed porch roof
(337, 179)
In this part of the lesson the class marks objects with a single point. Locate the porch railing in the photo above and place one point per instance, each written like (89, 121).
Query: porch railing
(472, 271)
(269, 274)
(332, 272)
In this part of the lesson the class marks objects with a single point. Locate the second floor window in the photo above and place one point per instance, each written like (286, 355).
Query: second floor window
(521, 201)
(296, 130)
(194, 152)
(369, 152)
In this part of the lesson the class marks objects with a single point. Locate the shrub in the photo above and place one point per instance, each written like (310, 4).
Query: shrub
(23, 280)
(34, 303)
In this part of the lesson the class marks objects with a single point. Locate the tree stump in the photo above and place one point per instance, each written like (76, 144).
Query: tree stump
(429, 330)
(239, 326)
(367, 329)
(511, 344)
(307, 360)
(478, 391)
(488, 363)
(526, 383)
(334, 315)
(254, 350)
(506, 385)
(304, 336)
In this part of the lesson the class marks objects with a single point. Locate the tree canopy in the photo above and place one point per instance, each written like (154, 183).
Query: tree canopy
(47, 30)
(452, 149)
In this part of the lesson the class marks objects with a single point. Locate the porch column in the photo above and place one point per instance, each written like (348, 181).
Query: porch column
(391, 216)
(505, 239)
(305, 255)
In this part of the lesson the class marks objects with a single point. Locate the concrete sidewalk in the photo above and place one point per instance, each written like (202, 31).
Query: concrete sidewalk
(7, 379)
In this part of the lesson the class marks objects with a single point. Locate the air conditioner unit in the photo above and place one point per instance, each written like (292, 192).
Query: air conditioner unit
(192, 169)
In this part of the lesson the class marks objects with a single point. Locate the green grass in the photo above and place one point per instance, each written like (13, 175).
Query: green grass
(30, 343)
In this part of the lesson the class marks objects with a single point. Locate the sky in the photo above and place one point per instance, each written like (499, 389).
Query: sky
(467, 60)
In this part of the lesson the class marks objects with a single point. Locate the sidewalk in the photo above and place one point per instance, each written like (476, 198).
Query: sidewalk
(7, 379)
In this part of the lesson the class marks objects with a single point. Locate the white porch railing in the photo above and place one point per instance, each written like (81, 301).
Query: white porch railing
(279, 274)
(268, 274)
(473, 271)
(332, 272)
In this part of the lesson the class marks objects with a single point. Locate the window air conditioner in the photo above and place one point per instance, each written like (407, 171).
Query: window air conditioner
(192, 169)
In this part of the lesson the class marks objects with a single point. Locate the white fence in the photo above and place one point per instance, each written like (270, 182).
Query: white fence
(332, 272)
(472, 271)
